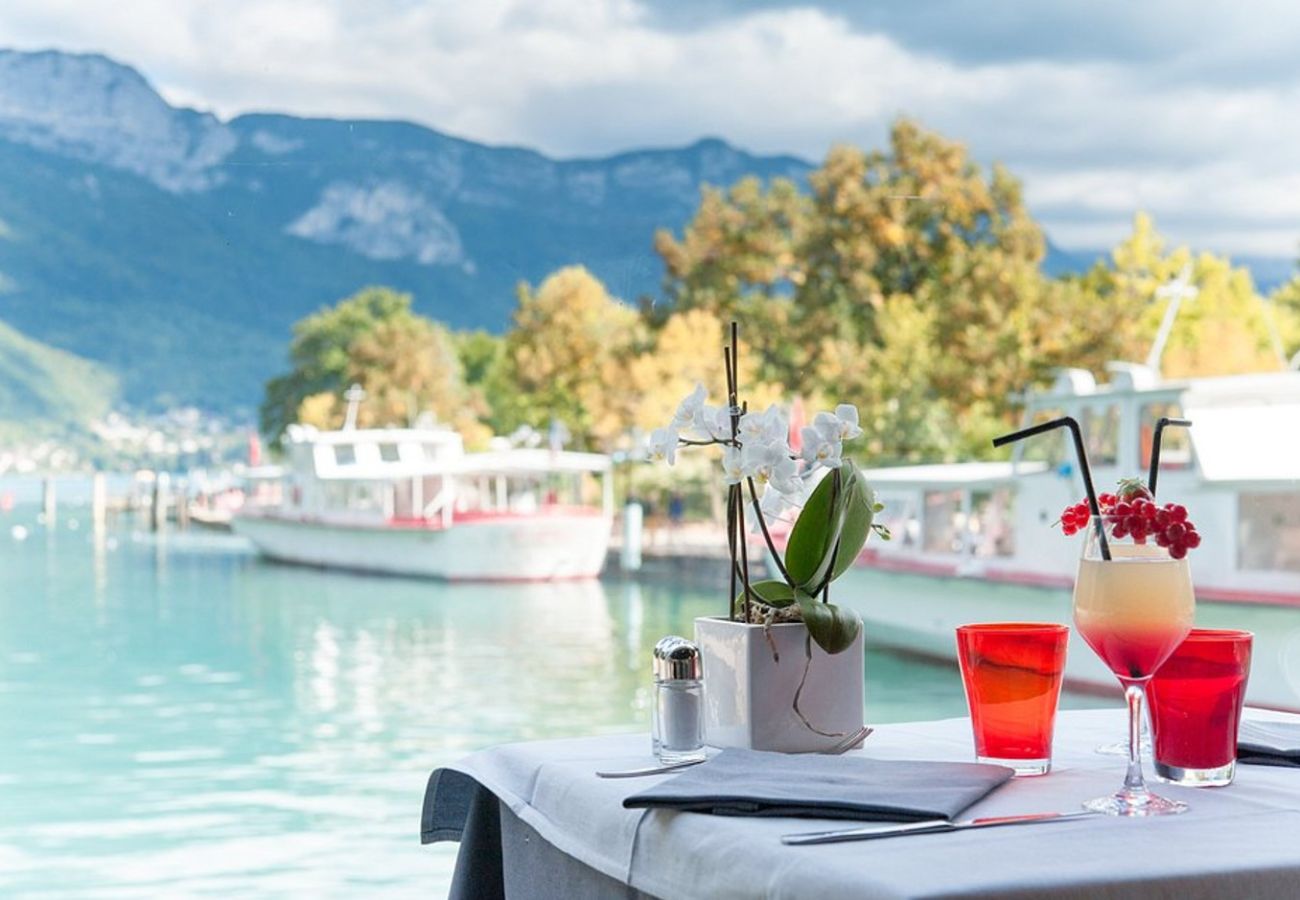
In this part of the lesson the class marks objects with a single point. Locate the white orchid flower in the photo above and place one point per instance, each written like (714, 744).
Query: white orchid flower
(689, 407)
(732, 469)
(771, 465)
(847, 415)
(663, 445)
(763, 428)
(821, 445)
(774, 503)
(712, 423)
(841, 425)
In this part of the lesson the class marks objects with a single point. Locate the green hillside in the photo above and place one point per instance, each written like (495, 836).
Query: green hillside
(43, 389)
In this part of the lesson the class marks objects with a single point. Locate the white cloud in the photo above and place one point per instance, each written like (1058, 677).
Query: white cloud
(1094, 139)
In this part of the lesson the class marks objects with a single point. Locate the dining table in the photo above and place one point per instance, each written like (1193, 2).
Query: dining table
(535, 820)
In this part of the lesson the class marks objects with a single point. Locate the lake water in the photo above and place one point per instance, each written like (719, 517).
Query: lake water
(180, 717)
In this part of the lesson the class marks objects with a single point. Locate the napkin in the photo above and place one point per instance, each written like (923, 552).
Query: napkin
(1269, 743)
(754, 783)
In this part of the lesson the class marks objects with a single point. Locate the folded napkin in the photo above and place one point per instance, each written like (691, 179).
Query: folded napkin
(1269, 743)
(754, 783)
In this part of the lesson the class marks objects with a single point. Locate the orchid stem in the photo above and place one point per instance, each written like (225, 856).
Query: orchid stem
(767, 536)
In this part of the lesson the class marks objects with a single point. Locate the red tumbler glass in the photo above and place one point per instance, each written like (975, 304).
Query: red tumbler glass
(1012, 672)
(1196, 699)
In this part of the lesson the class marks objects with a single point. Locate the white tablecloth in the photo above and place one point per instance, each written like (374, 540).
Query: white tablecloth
(1240, 841)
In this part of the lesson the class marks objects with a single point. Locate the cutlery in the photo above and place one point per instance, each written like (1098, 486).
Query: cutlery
(650, 770)
(929, 826)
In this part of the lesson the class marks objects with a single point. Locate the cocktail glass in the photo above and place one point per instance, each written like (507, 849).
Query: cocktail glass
(1133, 609)
(1012, 673)
(1196, 700)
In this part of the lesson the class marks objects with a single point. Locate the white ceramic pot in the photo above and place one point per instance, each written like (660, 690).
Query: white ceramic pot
(749, 695)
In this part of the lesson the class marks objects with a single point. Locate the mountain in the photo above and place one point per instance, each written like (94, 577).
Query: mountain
(176, 249)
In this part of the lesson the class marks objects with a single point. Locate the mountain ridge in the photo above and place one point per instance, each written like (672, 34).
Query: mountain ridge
(178, 248)
(175, 249)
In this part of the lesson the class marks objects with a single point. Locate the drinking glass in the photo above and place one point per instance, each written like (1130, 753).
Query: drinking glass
(1012, 673)
(1196, 700)
(1133, 610)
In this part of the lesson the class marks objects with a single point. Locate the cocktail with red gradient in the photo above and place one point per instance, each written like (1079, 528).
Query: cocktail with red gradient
(1133, 597)
(1012, 672)
(1196, 699)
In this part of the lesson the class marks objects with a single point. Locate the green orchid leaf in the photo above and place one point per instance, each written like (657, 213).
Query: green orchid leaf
(860, 511)
(810, 538)
(833, 528)
(832, 628)
(777, 594)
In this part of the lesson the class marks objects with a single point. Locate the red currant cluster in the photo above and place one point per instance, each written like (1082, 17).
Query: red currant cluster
(1135, 514)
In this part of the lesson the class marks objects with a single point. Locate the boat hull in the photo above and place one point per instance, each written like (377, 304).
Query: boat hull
(543, 548)
(919, 613)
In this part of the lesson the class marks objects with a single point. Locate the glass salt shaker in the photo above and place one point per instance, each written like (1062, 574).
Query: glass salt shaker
(677, 723)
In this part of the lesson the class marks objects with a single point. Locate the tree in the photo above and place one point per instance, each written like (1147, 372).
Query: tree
(1225, 330)
(567, 355)
(406, 363)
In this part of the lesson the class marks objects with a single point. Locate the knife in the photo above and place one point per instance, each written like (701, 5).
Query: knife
(651, 770)
(929, 826)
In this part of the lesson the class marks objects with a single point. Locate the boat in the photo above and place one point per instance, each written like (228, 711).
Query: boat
(411, 501)
(976, 541)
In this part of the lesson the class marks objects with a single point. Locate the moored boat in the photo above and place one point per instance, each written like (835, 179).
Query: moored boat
(411, 501)
(974, 541)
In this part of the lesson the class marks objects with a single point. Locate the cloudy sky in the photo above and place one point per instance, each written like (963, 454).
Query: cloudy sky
(1188, 109)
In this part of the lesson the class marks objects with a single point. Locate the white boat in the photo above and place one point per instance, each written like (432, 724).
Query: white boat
(411, 501)
(975, 541)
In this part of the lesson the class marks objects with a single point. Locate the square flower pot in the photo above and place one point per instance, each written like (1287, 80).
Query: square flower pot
(749, 694)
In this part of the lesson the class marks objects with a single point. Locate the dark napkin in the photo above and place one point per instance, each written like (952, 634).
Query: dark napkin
(754, 783)
(1269, 743)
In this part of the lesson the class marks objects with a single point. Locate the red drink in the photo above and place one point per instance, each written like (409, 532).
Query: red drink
(1132, 654)
(1012, 673)
(1196, 699)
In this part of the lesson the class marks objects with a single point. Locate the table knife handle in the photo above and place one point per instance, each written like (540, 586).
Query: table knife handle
(868, 832)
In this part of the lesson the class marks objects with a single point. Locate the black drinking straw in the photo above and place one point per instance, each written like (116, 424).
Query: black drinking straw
(1082, 453)
(1155, 448)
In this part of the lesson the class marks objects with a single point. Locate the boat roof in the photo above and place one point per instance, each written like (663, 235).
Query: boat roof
(525, 462)
(971, 474)
(1132, 378)
(307, 434)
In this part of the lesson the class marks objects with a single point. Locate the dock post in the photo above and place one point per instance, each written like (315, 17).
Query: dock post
(630, 557)
(158, 508)
(98, 501)
(49, 502)
(183, 505)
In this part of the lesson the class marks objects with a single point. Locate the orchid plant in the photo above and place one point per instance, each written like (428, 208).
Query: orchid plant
(829, 503)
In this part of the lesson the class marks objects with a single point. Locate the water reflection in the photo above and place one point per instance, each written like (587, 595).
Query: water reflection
(182, 717)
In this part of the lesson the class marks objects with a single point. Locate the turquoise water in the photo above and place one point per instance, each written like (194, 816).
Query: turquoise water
(180, 717)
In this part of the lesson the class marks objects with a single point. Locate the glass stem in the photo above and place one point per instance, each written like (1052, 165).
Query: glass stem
(1133, 782)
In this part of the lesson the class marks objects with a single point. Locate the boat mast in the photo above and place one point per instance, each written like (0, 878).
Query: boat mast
(1176, 291)
(354, 395)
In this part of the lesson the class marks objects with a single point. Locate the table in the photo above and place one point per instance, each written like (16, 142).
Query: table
(535, 821)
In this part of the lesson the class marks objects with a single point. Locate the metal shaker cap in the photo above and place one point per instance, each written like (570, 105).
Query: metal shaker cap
(676, 658)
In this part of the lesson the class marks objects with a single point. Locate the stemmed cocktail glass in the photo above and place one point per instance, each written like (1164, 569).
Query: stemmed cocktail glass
(1133, 609)
(1133, 599)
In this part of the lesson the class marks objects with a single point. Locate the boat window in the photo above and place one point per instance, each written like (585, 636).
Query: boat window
(345, 454)
(943, 522)
(431, 451)
(1268, 531)
(1175, 443)
(1101, 433)
(388, 452)
(990, 527)
(1048, 449)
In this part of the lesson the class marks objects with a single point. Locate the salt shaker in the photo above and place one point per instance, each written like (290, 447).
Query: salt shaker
(677, 723)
